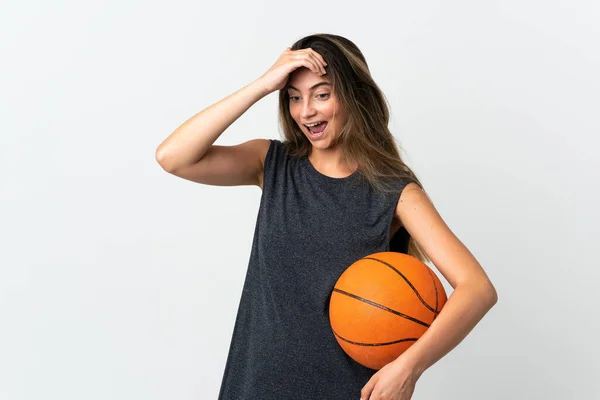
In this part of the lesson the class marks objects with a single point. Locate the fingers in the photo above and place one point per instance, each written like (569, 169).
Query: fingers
(319, 61)
(311, 60)
(320, 57)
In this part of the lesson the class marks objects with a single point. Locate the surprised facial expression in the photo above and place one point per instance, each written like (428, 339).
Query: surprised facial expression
(311, 102)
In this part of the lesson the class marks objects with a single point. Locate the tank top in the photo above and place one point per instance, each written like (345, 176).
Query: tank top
(310, 228)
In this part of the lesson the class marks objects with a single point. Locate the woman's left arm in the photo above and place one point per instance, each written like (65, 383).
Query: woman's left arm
(473, 296)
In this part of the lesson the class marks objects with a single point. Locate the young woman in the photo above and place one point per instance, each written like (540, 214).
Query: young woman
(334, 191)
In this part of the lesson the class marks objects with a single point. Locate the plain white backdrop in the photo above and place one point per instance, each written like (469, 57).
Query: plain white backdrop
(120, 281)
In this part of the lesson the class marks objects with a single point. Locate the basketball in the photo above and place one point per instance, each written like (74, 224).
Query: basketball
(381, 304)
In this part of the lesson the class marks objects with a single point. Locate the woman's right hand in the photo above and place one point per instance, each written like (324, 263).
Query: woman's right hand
(276, 77)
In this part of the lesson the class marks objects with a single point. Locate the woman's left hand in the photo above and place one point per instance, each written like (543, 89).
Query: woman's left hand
(395, 381)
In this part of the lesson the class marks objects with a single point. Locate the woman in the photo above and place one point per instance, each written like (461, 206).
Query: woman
(334, 191)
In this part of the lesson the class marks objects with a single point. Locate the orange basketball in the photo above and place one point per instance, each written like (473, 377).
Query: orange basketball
(382, 304)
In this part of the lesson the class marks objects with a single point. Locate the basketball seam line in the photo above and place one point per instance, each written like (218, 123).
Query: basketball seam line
(436, 293)
(433, 310)
(375, 344)
(398, 313)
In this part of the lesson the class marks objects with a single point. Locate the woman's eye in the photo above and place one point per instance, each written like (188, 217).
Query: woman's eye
(320, 95)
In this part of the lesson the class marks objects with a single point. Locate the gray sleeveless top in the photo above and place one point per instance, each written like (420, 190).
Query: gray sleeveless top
(310, 228)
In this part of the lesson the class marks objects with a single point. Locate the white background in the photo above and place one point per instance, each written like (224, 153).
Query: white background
(120, 281)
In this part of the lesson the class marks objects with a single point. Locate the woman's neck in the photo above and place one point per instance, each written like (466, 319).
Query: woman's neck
(331, 162)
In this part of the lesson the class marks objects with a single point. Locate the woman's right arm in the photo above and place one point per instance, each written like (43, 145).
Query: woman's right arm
(189, 152)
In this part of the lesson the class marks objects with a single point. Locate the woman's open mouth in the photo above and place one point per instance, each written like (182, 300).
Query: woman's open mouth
(318, 130)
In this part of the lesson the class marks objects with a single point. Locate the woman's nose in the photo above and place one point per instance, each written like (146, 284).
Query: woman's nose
(308, 110)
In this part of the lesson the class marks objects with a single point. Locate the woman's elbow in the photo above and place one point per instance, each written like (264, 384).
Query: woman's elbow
(490, 294)
(482, 289)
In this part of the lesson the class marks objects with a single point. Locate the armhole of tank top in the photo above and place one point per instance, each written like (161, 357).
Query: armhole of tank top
(267, 164)
(396, 198)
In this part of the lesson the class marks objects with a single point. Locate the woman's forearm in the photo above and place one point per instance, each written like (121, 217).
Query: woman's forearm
(465, 307)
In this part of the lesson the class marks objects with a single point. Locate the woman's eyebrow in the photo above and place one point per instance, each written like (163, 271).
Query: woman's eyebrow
(312, 88)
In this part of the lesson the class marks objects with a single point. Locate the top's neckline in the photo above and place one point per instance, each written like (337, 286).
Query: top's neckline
(327, 178)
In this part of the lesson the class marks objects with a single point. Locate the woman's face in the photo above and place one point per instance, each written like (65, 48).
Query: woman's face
(312, 100)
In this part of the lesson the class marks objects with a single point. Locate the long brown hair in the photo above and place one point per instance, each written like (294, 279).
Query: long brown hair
(365, 139)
